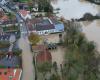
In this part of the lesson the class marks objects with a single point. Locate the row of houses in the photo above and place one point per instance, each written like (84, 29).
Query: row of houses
(10, 64)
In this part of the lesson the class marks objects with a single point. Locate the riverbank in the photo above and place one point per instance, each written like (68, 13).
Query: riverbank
(97, 2)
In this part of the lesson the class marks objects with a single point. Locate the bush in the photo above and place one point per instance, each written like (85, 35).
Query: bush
(4, 44)
(17, 52)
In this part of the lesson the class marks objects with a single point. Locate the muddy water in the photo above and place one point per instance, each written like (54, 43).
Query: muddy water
(76, 9)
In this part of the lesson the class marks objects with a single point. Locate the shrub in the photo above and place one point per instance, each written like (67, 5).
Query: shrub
(4, 44)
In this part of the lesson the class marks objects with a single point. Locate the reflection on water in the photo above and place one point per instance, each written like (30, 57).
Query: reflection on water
(76, 9)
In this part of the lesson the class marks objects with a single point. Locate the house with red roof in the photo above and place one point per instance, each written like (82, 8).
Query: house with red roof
(25, 14)
(42, 54)
(10, 74)
(4, 18)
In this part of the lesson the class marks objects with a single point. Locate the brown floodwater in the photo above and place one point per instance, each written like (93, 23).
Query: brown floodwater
(76, 9)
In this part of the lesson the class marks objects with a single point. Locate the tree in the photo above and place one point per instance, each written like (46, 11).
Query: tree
(44, 68)
(44, 5)
(80, 58)
(33, 38)
(55, 66)
(54, 77)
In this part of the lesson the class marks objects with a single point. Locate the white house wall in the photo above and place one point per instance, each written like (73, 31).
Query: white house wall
(26, 17)
(46, 32)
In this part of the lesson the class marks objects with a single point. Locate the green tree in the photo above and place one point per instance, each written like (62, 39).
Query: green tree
(33, 38)
(80, 58)
(44, 5)
(44, 68)
(54, 77)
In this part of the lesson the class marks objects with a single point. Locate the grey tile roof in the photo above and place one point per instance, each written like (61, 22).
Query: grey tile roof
(44, 27)
(13, 62)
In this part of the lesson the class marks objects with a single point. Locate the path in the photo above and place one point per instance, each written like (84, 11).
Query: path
(28, 70)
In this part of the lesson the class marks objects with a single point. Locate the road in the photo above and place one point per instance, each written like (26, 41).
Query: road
(27, 57)
(28, 70)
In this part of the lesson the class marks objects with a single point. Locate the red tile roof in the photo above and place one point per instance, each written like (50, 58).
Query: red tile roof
(24, 12)
(4, 18)
(43, 55)
(15, 73)
(39, 48)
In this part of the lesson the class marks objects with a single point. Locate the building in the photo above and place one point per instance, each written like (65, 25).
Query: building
(43, 54)
(25, 14)
(3, 2)
(10, 74)
(4, 18)
(1, 12)
(44, 26)
(10, 61)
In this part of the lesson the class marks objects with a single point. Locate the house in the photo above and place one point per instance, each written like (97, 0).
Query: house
(10, 74)
(43, 54)
(4, 18)
(44, 26)
(5, 22)
(3, 2)
(25, 14)
(10, 61)
(39, 48)
(1, 12)
(4, 37)
(59, 26)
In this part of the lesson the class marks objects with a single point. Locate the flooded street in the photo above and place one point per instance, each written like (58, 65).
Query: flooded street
(58, 55)
(28, 69)
(76, 9)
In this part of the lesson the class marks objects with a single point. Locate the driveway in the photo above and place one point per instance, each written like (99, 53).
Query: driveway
(28, 70)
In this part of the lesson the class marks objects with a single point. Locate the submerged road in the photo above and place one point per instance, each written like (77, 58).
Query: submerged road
(28, 69)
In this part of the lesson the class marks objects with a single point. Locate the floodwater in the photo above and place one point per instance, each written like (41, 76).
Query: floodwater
(76, 9)
(28, 69)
